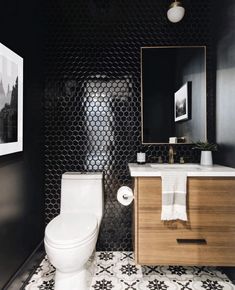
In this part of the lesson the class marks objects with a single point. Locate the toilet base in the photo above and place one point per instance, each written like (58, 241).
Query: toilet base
(71, 281)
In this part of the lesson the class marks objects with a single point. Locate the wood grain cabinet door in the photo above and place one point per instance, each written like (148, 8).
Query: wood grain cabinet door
(207, 238)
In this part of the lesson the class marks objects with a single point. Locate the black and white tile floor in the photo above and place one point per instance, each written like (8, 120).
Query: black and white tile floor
(117, 271)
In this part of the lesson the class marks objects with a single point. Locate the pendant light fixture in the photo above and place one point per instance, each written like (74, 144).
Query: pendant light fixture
(175, 12)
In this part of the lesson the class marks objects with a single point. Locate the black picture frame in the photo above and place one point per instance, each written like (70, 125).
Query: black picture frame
(182, 103)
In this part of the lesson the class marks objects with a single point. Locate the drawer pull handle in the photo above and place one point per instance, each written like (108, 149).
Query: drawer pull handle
(192, 241)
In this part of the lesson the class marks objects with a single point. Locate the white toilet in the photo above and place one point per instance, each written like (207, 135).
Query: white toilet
(70, 238)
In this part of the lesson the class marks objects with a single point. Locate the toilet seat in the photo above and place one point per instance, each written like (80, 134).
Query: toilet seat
(71, 229)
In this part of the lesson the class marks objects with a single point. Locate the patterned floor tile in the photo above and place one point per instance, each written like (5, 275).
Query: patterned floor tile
(209, 284)
(128, 271)
(157, 284)
(127, 257)
(118, 271)
(106, 283)
(43, 278)
(107, 257)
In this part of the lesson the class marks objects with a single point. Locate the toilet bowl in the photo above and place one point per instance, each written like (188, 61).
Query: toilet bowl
(70, 238)
(69, 242)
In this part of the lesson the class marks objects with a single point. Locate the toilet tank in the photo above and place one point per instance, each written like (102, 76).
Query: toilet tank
(83, 192)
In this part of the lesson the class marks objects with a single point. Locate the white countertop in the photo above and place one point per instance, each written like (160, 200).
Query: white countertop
(192, 169)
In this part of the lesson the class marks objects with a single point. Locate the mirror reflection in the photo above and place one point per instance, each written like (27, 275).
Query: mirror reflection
(173, 84)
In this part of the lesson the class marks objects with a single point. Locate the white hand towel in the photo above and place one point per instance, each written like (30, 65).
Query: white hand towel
(174, 187)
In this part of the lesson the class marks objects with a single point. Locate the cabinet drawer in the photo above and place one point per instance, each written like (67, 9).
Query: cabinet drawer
(202, 193)
(197, 220)
(186, 249)
(169, 244)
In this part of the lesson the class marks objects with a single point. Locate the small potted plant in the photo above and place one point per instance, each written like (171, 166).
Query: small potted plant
(206, 149)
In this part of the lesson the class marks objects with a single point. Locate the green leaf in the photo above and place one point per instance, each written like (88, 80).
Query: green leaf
(205, 146)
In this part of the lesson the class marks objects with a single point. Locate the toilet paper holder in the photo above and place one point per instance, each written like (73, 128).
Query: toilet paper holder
(125, 195)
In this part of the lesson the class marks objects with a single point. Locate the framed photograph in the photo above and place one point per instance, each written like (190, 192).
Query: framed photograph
(11, 101)
(182, 103)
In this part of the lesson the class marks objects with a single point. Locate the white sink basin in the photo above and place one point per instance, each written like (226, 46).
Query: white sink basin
(187, 167)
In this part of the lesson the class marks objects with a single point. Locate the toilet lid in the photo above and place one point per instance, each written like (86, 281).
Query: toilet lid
(71, 228)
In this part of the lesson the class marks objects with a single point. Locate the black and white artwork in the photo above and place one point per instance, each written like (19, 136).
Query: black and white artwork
(182, 103)
(11, 101)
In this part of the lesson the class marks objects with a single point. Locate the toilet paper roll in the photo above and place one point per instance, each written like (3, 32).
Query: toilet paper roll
(125, 195)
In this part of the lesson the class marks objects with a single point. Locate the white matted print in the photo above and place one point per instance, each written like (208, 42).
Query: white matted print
(11, 101)
(182, 103)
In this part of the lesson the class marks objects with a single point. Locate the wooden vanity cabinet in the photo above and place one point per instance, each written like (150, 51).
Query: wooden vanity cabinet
(207, 238)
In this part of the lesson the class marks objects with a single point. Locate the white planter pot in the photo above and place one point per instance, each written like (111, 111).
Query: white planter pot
(206, 158)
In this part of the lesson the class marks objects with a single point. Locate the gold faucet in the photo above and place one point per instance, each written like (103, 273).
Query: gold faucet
(171, 155)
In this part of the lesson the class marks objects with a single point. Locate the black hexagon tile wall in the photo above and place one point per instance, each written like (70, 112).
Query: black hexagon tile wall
(92, 94)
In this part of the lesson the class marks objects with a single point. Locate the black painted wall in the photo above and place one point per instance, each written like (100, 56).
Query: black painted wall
(225, 85)
(92, 100)
(21, 174)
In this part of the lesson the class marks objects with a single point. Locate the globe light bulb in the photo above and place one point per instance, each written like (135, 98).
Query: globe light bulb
(176, 12)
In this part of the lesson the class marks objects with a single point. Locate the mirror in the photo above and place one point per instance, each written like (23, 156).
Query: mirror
(173, 94)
